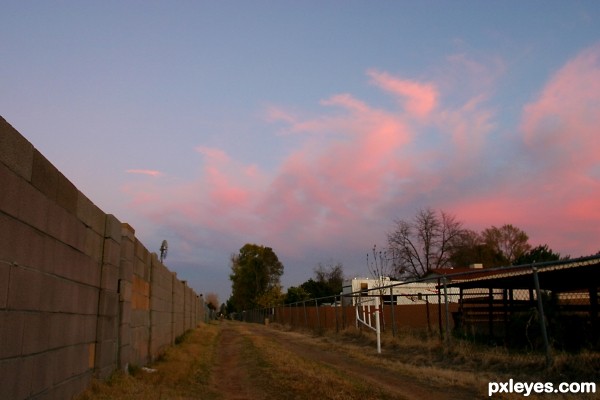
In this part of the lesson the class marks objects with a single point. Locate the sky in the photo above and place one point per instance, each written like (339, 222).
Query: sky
(310, 127)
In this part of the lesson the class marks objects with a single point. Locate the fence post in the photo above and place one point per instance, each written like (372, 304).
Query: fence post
(305, 316)
(393, 305)
(318, 317)
(439, 307)
(447, 310)
(542, 318)
(335, 311)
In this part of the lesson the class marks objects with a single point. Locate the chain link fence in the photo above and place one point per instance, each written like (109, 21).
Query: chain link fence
(532, 311)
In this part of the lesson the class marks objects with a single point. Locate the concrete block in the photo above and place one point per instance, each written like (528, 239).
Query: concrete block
(125, 314)
(140, 318)
(106, 354)
(106, 371)
(112, 228)
(66, 194)
(128, 231)
(10, 196)
(35, 332)
(110, 277)
(141, 252)
(68, 389)
(44, 175)
(26, 289)
(124, 356)
(15, 378)
(70, 362)
(140, 295)
(60, 326)
(108, 304)
(7, 238)
(125, 290)
(112, 252)
(70, 329)
(89, 271)
(56, 221)
(64, 258)
(4, 282)
(71, 297)
(88, 300)
(15, 151)
(29, 246)
(126, 270)
(94, 244)
(141, 269)
(12, 324)
(90, 214)
(41, 374)
(108, 328)
(33, 207)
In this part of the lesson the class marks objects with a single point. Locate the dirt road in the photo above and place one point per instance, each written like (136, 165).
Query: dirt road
(257, 362)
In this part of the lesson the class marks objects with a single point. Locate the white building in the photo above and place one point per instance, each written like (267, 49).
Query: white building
(398, 291)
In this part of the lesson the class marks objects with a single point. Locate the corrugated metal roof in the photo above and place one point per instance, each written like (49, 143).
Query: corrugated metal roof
(566, 275)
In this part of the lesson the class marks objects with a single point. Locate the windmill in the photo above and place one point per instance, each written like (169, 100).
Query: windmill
(164, 248)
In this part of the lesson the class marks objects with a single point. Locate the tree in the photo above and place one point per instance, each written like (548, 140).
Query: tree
(540, 253)
(469, 248)
(328, 282)
(270, 297)
(332, 275)
(255, 277)
(380, 268)
(296, 294)
(423, 243)
(212, 301)
(507, 241)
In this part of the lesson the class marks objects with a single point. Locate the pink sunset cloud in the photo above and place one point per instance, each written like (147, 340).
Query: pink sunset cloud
(149, 172)
(421, 98)
(553, 187)
(357, 167)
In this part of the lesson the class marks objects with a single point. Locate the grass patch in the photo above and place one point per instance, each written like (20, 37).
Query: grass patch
(284, 374)
(418, 351)
(183, 371)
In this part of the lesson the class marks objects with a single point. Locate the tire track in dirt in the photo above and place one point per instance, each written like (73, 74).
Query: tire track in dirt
(229, 376)
(397, 385)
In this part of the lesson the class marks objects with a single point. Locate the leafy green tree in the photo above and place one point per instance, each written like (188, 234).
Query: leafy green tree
(255, 277)
(296, 294)
(332, 276)
(271, 297)
(316, 289)
(327, 282)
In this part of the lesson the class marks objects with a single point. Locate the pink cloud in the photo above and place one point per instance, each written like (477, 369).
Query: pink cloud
(149, 172)
(355, 167)
(562, 124)
(421, 98)
(552, 188)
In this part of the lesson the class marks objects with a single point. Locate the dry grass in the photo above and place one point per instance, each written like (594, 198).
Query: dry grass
(463, 363)
(290, 376)
(181, 373)
(276, 372)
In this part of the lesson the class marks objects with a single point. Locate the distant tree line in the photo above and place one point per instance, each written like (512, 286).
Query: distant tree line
(428, 241)
(432, 240)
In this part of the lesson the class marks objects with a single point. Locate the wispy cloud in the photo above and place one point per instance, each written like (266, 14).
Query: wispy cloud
(150, 172)
(358, 166)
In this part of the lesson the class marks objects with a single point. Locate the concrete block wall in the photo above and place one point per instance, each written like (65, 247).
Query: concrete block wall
(75, 284)
(161, 307)
(177, 323)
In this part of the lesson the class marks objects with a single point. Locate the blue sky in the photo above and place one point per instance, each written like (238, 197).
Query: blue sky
(310, 126)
